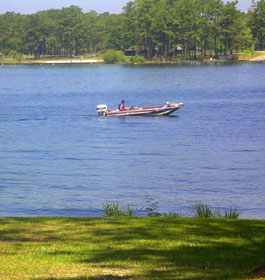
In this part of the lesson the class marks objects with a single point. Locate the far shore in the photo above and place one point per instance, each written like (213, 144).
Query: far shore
(258, 56)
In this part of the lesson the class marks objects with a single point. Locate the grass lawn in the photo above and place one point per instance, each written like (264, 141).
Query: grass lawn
(249, 55)
(9, 60)
(130, 248)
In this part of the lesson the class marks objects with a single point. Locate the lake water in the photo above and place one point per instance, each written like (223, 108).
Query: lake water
(58, 158)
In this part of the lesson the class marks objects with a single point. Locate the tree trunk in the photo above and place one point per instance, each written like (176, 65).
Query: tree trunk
(205, 48)
(195, 49)
(148, 48)
(37, 54)
(70, 51)
(215, 47)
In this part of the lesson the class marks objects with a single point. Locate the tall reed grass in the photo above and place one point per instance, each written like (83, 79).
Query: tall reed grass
(201, 210)
(115, 210)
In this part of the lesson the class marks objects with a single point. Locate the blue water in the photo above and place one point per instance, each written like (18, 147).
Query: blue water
(58, 158)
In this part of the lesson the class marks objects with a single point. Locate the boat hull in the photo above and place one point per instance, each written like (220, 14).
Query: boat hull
(145, 111)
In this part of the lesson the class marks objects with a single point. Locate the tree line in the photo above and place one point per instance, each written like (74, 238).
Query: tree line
(162, 28)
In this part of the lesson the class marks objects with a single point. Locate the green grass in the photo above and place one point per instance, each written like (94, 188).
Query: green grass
(246, 55)
(10, 60)
(130, 248)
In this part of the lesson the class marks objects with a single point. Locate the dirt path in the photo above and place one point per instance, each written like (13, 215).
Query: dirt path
(258, 58)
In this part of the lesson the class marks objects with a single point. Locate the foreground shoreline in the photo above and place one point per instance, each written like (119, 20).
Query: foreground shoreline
(131, 248)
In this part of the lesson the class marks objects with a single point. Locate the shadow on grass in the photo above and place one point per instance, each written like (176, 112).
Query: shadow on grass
(100, 277)
(209, 249)
(115, 277)
(155, 248)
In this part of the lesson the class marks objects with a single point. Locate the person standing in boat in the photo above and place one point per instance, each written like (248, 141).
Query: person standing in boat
(122, 106)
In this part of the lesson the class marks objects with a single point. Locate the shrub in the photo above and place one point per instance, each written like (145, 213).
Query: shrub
(113, 56)
(137, 59)
(5, 52)
(13, 54)
(20, 56)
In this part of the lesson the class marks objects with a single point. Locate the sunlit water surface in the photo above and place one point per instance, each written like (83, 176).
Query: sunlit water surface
(58, 158)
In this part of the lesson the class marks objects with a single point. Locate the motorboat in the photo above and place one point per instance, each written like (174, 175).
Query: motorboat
(163, 110)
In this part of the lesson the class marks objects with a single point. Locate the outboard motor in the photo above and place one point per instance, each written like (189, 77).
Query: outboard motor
(102, 109)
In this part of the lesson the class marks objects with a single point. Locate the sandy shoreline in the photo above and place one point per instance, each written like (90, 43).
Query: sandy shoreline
(258, 58)
(73, 61)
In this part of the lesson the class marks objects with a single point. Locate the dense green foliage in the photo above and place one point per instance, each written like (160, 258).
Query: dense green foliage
(256, 17)
(112, 56)
(161, 28)
(130, 248)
